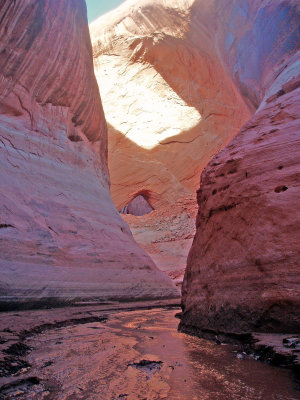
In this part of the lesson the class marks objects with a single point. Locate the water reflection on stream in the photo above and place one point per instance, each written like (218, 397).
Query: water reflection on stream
(198, 369)
(104, 361)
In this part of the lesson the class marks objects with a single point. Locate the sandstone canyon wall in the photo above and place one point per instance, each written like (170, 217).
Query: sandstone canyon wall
(179, 79)
(170, 106)
(61, 238)
(243, 268)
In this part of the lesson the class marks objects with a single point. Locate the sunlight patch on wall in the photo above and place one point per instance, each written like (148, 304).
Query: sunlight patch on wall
(139, 103)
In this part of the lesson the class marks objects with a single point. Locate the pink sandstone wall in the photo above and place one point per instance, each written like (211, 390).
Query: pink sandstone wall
(243, 268)
(61, 238)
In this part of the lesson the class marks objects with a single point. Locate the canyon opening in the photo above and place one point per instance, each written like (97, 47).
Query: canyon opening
(149, 200)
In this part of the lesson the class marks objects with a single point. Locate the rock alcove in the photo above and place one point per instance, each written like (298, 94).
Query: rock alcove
(138, 206)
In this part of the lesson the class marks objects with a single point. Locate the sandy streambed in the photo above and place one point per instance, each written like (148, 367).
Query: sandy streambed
(92, 353)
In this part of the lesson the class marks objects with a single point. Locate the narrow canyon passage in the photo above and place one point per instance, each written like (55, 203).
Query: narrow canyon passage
(152, 150)
(179, 79)
(170, 106)
(132, 355)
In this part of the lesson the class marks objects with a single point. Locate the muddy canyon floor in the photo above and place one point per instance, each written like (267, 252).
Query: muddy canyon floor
(101, 353)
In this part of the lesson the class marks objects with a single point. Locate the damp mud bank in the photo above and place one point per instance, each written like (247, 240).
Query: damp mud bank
(126, 351)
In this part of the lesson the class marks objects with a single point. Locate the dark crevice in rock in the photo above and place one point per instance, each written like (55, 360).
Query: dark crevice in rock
(51, 229)
(222, 208)
(75, 138)
(281, 188)
(47, 364)
(2, 226)
(220, 190)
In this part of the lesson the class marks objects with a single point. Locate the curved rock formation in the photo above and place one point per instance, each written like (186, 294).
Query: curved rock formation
(189, 74)
(170, 105)
(243, 269)
(61, 238)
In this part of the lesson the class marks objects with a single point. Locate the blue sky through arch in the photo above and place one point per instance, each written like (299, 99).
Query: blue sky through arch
(96, 8)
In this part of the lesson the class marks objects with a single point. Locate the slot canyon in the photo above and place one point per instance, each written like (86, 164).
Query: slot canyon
(149, 200)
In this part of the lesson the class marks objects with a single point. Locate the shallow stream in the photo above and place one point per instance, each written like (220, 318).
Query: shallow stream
(139, 355)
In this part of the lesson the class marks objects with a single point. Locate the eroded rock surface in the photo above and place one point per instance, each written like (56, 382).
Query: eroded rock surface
(61, 239)
(170, 106)
(243, 269)
(184, 77)
(167, 235)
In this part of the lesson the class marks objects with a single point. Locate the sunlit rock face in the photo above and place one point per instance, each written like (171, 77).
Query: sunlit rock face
(243, 268)
(226, 61)
(146, 124)
(61, 238)
(170, 106)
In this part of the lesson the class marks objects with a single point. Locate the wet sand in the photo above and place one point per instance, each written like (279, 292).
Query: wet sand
(77, 354)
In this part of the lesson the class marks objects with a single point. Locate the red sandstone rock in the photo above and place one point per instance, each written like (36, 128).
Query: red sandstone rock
(170, 106)
(214, 57)
(243, 269)
(167, 235)
(61, 238)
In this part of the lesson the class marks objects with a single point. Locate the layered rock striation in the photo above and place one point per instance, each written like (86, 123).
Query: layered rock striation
(179, 79)
(170, 105)
(61, 238)
(243, 268)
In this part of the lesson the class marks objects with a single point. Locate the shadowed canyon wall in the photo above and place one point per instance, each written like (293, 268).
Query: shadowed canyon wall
(170, 106)
(243, 269)
(61, 238)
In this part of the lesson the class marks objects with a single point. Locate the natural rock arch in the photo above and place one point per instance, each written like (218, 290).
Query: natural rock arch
(245, 238)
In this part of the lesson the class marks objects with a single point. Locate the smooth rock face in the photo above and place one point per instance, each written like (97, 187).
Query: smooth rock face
(151, 57)
(61, 238)
(170, 106)
(243, 268)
